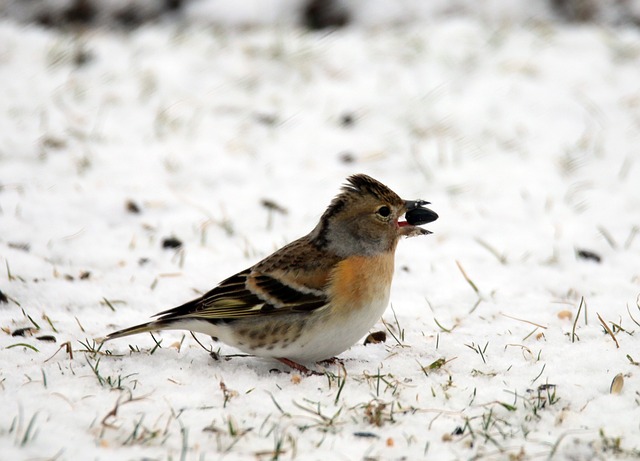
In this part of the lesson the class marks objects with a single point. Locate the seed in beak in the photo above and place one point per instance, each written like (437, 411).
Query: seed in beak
(420, 215)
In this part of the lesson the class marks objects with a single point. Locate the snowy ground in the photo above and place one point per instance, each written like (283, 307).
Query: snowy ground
(524, 138)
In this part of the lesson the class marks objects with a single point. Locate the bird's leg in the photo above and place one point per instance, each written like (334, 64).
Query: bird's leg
(298, 367)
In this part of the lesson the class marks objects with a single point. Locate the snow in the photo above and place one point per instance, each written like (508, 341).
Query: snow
(523, 135)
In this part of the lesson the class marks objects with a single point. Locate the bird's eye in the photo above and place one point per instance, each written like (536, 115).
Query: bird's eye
(384, 211)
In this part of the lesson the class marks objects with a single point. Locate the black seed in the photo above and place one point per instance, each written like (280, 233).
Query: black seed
(419, 216)
(22, 331)
(3, 298)
(376, 337)
(49, 338)
(589, 255)
(171, 242)
(132, 207)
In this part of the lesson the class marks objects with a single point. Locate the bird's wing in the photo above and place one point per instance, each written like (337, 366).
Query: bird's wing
(247, 294)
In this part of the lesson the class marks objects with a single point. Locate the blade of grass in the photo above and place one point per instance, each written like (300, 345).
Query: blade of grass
(523, 320)
(608, 330)
(573, 330)
(28, 346)
(466, 277)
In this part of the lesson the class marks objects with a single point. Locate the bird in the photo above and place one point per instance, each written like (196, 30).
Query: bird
(315, 297)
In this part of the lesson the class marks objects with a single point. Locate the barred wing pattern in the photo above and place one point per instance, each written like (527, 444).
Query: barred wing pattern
(247, 294)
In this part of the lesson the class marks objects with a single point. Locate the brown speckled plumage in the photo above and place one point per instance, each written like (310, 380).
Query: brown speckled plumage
(314, 297)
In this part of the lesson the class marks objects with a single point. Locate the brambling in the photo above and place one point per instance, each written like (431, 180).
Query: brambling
(315, 297)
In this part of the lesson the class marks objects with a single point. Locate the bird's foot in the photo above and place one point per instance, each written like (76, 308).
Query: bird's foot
(298, 367)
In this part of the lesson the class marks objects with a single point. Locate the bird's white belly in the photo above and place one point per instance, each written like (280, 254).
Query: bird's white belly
(334, 335)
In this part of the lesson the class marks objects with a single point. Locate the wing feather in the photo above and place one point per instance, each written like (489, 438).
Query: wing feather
(248, 294)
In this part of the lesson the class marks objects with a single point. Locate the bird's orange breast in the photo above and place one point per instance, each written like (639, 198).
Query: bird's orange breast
(359, 281)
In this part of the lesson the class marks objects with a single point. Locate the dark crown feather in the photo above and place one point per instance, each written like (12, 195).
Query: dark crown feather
(359, 184)
(363, 184)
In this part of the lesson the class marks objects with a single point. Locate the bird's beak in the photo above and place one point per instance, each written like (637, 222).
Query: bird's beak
(416, 214)
(413, 204)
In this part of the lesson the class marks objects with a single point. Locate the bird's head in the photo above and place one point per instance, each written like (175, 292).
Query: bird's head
(366, 218)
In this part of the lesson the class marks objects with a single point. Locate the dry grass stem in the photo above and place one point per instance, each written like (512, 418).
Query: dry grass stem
(523, 320)
(606, 327)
